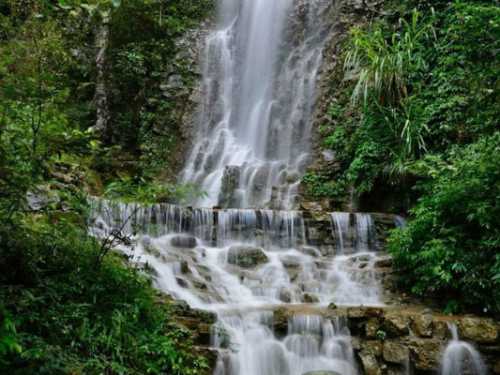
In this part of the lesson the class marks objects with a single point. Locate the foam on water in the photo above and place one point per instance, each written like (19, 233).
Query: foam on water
(187, 250)
(460, 357)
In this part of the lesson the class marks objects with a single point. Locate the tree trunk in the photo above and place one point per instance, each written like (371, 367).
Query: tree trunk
(101, 92)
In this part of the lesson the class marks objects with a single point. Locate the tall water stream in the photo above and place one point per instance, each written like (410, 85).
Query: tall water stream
(261, 64)
(251, 147)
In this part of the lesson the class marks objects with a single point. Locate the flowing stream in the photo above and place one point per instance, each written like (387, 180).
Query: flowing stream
(461, 358)
(251, 148)
(243, 264)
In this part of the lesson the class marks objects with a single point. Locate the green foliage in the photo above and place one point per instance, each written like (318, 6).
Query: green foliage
(428, 83)
(62, 309)
(128, 190)
(450, 248)
(383, 67)
(73, 317)
(414, 114)
(144, 56)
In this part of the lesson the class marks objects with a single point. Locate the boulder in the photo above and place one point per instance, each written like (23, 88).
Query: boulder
(230, 182)
(310, 298)
(311, 251)
(374, 347)
(183, 242)
(285, 295)
(396, 324)
(482, 330)
(371, 328)
(280, 321)
(422, 325)
(394, 352)
(426, 353)
(369, 363)
(246, 256)
(383, 262)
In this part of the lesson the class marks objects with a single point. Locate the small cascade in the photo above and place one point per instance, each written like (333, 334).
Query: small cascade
(264, 255)
(312, 343)
(460, 357)
(352, 275)
(354, 233)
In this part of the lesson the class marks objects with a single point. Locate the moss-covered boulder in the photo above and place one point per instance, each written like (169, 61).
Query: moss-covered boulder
(246, 256)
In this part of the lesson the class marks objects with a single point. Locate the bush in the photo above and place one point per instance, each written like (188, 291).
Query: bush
(65, 314)
(450, 248)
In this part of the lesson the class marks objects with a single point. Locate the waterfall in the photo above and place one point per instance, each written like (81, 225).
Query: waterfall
(352, 274)
(242, 264)
(260, 69)
(253, 253)
(460, 357)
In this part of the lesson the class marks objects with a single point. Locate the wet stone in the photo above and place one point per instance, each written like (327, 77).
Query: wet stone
(422, 325)
(369, 363)
(246, 256)
(396, 324)
(395, 352)
(311, 251)
(481, 330)
(310, 298)
(183, 242)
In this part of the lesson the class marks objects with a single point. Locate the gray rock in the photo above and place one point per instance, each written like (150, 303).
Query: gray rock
(228, 196)
(369, 363)
(183, 241)
(396, 324)
(246, 256)
(311, 251)
(422, 325)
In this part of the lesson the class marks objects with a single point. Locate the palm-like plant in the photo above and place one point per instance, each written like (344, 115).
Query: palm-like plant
(382, 66)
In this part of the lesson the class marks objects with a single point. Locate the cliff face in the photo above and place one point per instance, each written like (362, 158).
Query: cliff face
(346, 14)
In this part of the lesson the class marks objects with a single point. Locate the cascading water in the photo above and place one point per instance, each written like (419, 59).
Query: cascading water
(252, 145)
(352, 275)
(460, 358)
(242, 264)
(260, 70)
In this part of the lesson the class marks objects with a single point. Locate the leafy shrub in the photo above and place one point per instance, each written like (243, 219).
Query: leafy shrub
(74, 317)
(450, 248)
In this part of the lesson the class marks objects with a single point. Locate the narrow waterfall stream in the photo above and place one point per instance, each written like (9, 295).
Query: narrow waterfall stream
(460, 357)
(251, 148)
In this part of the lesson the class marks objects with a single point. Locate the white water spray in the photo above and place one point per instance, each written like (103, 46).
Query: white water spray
(260, 70)
(460, 357)
(252, 146)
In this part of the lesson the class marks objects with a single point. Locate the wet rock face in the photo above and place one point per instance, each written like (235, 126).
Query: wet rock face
(246, 256)
(392, 340)
(477, 329)
(395, 352)
(230, 182)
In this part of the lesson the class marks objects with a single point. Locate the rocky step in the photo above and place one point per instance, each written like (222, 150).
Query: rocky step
(388, 338)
